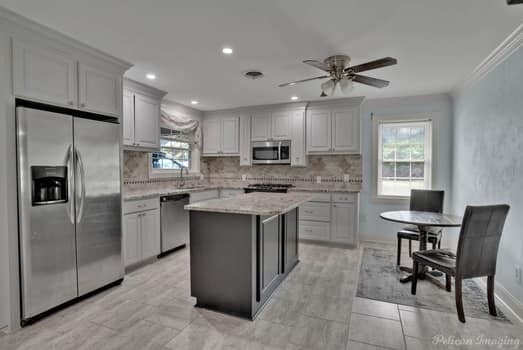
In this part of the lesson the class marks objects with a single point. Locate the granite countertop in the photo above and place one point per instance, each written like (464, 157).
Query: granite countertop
(256, 203)
(149, 193)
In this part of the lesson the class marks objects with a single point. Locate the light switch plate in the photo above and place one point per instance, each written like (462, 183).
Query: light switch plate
(318, 179)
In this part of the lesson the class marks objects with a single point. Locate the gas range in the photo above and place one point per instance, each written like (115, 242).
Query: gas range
(268, 187)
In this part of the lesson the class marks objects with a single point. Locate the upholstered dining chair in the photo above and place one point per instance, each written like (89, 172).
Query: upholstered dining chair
(476, 255)
(422, 200)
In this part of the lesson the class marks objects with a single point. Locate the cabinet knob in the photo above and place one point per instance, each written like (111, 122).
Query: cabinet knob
(82, 104)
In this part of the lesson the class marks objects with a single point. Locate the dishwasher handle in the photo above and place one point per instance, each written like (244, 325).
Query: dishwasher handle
(174, 197)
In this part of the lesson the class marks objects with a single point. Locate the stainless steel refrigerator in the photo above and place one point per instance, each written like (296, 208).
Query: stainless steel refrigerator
(69, 203)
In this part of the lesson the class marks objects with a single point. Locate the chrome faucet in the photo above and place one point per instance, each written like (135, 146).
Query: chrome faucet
(182, 179)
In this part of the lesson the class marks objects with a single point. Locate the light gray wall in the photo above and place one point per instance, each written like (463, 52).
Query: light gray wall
(438, 107)
(488, 156)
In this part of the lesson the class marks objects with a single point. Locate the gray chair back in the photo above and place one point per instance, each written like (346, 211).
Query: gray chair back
(479, 240)
(427, 200)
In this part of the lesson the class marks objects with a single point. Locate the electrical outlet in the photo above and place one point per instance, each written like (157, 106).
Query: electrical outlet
(519, 278)
(244, 177)
(346, 178)
(202, 177)
(318, 179)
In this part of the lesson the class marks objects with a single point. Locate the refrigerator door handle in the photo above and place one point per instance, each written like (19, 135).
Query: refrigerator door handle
(69, 161)
(81, 180)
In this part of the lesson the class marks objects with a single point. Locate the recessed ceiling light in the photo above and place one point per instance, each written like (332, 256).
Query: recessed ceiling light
(150, 76)
(194, 102)
(227, 50)
(294, 98)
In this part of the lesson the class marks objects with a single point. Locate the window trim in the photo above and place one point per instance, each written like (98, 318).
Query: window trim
(412, 118)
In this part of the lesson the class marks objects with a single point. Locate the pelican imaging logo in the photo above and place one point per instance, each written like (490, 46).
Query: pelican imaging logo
(480, 340)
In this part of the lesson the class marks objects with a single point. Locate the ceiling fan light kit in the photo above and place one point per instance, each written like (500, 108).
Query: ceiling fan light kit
(343, 75)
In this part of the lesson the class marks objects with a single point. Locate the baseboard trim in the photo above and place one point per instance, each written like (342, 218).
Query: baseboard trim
(513, 305)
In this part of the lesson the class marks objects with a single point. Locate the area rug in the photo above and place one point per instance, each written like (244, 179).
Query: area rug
(379, 280)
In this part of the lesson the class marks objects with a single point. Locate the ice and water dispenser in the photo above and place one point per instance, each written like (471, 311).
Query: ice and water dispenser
(49, 184)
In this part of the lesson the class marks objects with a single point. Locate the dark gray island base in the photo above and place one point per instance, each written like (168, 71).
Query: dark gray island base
(238, 260)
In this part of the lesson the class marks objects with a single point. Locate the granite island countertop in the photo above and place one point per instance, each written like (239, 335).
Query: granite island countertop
(255, 203)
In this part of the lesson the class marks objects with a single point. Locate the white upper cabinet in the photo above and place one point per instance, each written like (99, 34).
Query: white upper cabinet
(318, 131)
(141, 116)
(245, 140)
(100, 91)
(67, 76)
(334, 127)
(221, 136)
(44, 75)
(128, 118)
(345, 130)
(281, 125)
(261, 126)
(230, 135)
(211, 136)
(297, 131)
(146, 121)
(268, 126)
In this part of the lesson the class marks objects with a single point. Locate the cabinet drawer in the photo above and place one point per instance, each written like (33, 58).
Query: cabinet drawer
(318, 196)
(204, 195)
(344, 197)
(316, 211)
(315, 230)
(141, 205)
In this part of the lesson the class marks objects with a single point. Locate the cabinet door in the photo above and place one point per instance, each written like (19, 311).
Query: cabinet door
(269, 253)
(146, 121)
(131, 236)
(211, 136)
(128, 118)
(44, 75)
(150, 233)
(230, 130)
(261, 126)
(245, 141)
(99, 91)
(318, 131)
(346, 130)
(298, 139)
(281, 125)
(343, 222)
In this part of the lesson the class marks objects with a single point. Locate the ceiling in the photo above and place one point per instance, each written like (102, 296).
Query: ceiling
(437, 43)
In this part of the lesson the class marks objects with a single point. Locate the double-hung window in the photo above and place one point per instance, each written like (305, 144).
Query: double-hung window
(175, 151)
(404, 157)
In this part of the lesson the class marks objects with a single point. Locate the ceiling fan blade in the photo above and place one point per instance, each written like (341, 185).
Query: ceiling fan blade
(363, 79)
(304, 80)
(382, 62)
(318, 64)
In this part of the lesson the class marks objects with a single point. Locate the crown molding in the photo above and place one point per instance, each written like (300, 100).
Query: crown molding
(510, 45)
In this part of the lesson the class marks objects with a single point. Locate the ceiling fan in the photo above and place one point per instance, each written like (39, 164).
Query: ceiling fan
(343, 75)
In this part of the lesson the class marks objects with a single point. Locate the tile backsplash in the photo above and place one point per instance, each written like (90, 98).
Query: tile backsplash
(322, 171)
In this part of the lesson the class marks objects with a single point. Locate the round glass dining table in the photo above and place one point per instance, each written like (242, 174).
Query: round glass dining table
(423, 220)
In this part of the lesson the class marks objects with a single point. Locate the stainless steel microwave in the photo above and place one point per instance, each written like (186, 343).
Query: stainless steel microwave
(271, 152)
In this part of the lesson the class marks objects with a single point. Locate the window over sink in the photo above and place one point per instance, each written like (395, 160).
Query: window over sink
(175, 152)
(404, 157)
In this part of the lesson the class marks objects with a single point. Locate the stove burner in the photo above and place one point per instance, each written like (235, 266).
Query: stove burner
(268, 187)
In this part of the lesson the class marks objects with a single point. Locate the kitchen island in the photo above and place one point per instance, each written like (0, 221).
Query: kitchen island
(242, 248)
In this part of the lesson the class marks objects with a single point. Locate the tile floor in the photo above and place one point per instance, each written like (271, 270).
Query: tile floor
(315, 308)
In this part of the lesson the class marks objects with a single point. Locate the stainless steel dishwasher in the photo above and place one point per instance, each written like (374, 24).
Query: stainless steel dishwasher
(174, 222)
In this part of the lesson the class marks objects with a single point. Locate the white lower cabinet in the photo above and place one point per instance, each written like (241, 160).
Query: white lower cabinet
(141, 230)
(330, 218)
